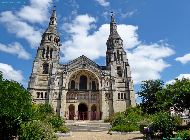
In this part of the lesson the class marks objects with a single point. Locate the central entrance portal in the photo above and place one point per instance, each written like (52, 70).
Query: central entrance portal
(82, 111)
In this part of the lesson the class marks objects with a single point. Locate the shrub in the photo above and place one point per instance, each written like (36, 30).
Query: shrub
(55, 121)
(43, 111)
(62, 129)
(125, 128)
(112, 117)
(120, 119)
(184, 134)
(164, 123)
(35, 130)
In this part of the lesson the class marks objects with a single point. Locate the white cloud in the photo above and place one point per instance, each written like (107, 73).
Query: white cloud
(142, 57)
(128, 14)
(81, 41)
(15, 48)
(10, 73)
(181, 76)
(184, 59)
(147, 62)
(38, 11)
(17, 22)
(103, 3)
(21, 29)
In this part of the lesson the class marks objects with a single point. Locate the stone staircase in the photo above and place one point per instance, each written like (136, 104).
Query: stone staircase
(87, 126)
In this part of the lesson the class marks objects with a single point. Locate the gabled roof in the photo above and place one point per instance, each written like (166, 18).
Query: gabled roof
(84, 60)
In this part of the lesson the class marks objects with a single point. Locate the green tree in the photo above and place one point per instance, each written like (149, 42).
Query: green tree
(15, 107)
(176, 94)
(148, 93)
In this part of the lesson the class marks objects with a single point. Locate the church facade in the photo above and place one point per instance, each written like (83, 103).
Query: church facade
(81, 89)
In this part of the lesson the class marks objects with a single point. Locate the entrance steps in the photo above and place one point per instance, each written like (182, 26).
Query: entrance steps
(87, 126)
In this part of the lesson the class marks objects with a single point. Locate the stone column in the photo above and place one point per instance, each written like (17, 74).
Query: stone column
(63, 109)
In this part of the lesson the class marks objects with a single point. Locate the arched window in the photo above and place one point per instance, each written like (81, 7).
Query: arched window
(45, 68)
(83, 83)
(121, 95)
(118, 95)
(45, 94)
(118, 55)
(107, 83)
(93, 85)
(72, 84)
(47, 52)
(125, 96)
(41, 94)
(43, 52)
(51, 52)
(38, 94)
(119, 71)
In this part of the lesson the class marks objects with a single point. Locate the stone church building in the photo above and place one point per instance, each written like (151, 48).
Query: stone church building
(81, 89)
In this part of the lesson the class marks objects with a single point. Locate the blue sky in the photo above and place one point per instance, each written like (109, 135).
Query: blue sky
(155, 33)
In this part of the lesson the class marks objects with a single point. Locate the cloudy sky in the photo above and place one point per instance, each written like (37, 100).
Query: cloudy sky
(156, 34)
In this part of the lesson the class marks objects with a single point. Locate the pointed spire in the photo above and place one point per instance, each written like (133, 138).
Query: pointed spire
(112, 17)
(52, 28)
(53, 19)
(113, 27)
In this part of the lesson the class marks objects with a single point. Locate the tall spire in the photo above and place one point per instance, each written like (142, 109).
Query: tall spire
(51, 34)
(53, 22)
(113, 28)
(53, 19)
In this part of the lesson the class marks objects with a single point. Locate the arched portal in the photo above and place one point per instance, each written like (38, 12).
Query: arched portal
(93, 112)
(71, 112)
(82, 111)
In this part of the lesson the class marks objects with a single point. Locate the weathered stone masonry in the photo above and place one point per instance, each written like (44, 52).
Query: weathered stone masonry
(81, 89)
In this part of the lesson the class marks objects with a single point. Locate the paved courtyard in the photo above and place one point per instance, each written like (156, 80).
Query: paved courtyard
(101, 136)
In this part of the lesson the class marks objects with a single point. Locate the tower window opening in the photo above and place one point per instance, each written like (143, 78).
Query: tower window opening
(45, 68)
(43, 52)
(38, 94)
(118, 55)
(51, 52)
(125, 96)
(121, 95)
(119, 71)
(41, 94)
(107, 83)
(118, 95)
(59, 96)
(114, 56)
(121, 56)
(45, 94)
(49, 37)
(47, 52)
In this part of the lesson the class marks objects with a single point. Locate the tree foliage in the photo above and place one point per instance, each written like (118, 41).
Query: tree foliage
(15, 106)
(177, 94)
(36, 130)
(148, 93)
(18, 116)
(164, 123)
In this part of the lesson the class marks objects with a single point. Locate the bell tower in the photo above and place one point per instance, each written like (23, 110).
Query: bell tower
(116, 60)
(45, 66)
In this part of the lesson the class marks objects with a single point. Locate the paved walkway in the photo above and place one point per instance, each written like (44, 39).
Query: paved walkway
(101, 136)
